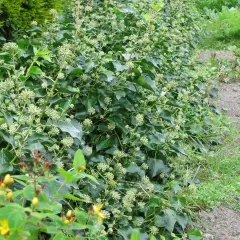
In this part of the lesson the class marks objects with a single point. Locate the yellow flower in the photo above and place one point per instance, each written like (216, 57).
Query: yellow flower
(4, 228)
(97, 210)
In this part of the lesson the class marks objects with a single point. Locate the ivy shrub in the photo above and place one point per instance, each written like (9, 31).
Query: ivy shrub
(118, 82)
(19, 14)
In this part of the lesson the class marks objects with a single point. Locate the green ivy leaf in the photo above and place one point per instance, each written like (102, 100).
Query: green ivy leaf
(89, 66)
(75, 72)
(73, 128)
(136, 170)
(107, 76)
(195, 234)
(167, 115)
(146, 82)
(168, 220)
(182, 220)
(104, 143)
(33, 71)
(120, 94)
(178, 150)
(119, 67)
(156, 167)
(5, 159)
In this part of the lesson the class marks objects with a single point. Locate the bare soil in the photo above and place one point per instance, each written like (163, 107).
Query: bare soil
(221, 224)
(204, 56)
(229, 100)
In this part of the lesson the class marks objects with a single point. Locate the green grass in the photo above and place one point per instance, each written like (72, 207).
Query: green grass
(219, 179)
(222, 31)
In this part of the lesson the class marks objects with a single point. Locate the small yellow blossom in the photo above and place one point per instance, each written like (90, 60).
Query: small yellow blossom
(97, 210)
(4, 228)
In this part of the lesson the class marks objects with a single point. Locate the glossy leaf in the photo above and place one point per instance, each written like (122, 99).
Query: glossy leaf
(79, 161)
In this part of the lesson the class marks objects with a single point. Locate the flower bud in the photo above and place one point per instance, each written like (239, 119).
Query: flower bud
(69, 213)
(11, 180)
(7, 179)
(66, 222)
(49, 165)
(9, 195)
(81, 167)
(3, 185)
(35, 152)
(37, 191)
(21, 164)
(35, 201)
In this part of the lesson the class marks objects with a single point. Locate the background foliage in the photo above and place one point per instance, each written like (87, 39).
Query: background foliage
(222, 29)
(215, 4)
(18, 14)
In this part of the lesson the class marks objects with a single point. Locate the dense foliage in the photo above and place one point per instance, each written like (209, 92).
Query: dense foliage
(222, 29)
(226, 24)
(117, 81)
(215, 4)
(18, 14)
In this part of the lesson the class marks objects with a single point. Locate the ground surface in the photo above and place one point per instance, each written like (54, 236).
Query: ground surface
(220, 55)
(223, 223)
(229, 100)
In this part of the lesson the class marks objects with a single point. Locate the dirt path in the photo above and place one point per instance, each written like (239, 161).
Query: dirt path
(223, 223)
(204, 56)
(229, 99)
